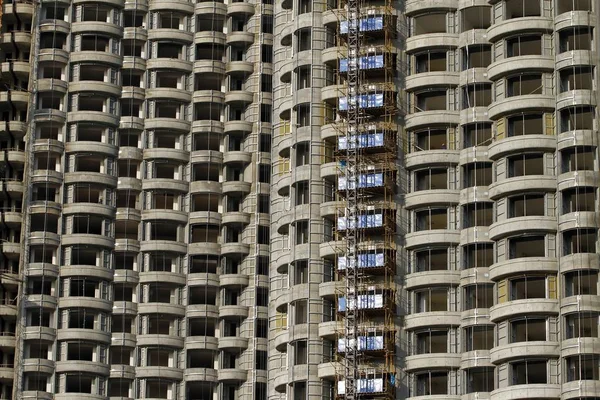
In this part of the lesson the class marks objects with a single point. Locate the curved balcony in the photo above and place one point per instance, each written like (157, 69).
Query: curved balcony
(520, 225)
(506, 66)
(172, 94)
(236, 311)
(160, 308)
(98, 56)
(240, 37)
(428, 118)
(173, 35)
(429, 319)
(163, 245)
(182, 6)
(430, 278)
(577, 261)
(170, 63)
(418, 6)
(176, 185)
(431, 40)
(580, 389)
(422, 159)
(432, 237)
(523, 307)
(169, 373)
(200, 375)
(210, 37)
(209, 66)
(580, 303)
(88, 239)
(91, 271)
(432, 197)
(236, 187)
(428, 79)
(522, 184)
(520, 266)
(515, 104)
(574, 98)
(509, 27)
(97, 117)
(233, 343)
(430, 361)
(175, 124)
(516, 144)
(568, 59)
(577, 179)
(76, 366)
(85, 335)
(503, 354)
(181, 156)
(107, 28)
(529, 391)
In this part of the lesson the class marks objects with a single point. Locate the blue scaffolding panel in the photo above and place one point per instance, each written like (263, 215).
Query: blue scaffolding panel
(363, 181)
(365, 140)
(364, 221)
(370, 260)
(365, 24)
(365, 62)
(371, 100)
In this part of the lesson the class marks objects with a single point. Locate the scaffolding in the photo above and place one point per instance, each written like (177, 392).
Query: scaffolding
(366, 153)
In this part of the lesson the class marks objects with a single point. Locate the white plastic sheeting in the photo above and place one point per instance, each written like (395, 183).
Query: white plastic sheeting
(363, 181)
(364, 140)
(364, 385)
(364, 101)
(365, 24)
(364, 343)
(362, 221)
(366, 62)
(369, 260)
(365, 301)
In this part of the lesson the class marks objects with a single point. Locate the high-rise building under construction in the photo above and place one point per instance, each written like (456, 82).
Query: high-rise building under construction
(299, 200)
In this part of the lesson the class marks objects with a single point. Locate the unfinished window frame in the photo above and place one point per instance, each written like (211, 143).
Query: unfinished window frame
(471, 259)
(429, 139)
(428, 219)
(531, 326)
(430, 61)
(581, 282)
(577, 118)
(478, 337)
(518, 85)
(526, 199)
(426, 175)
(424, 342)
(517, 42)
(525, 242)
(580, 241)
(526, 164)
(524, 11)
(579, 158)
(520, 124)
(426, 387)
(477, 214)
(477, 296)
(531, 287)
(424, 259)
(477, 134)
(582, 324)
(424, 299)
(529, 365)
(577, 77)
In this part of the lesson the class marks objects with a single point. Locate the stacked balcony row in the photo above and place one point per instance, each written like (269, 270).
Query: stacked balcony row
(146, 134)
